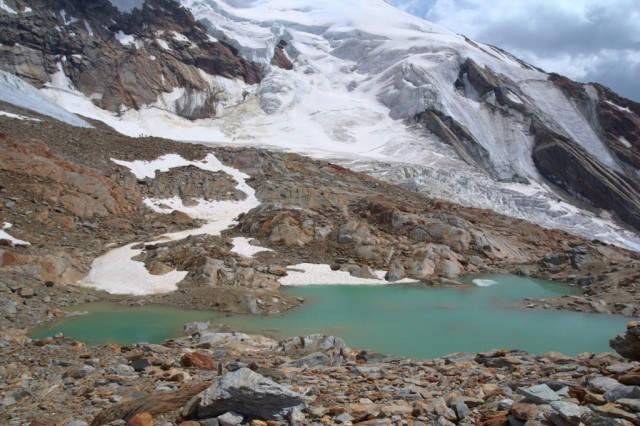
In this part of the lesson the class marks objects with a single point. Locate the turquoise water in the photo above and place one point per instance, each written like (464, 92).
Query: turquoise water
(110, 322)
(413, 321)
(431, 322)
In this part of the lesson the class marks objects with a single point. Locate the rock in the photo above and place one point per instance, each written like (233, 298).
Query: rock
(580, 257)
(8, 307)
(614, 411)
(631, 404)
(82, 372)
(459, 357)
(311, 360)
(396, 272)
(26, 292)
(593, 419)
(622, 391)
(158, 349)
(353, 232)
(230, 419)
(363, 271)
(142, 419)
(602, 384)
(195, 327)
(124, 370)
(524, 411)
(249, 394)
(141, 364)
(461, 410)
(632, 379)
(344, 418)
(540, 394)
(565, 413)
(628, 345)
(199, 361)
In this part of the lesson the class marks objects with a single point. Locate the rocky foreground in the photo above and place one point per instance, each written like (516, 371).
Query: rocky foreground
(219, 378)
(62, 192)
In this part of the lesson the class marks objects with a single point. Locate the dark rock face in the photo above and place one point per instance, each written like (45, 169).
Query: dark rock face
(628, 344)
(121, 58)
(560, 159)
(564, 163)
(456, 135)
(280, 58)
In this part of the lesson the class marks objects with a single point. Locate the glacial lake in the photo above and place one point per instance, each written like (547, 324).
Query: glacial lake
(411, 321)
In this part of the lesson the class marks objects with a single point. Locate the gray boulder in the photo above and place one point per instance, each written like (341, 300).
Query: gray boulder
(540, 394)
(311, 360)
(248, 394)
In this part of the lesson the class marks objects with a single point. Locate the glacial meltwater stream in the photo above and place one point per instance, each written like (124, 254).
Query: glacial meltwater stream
(413, 321)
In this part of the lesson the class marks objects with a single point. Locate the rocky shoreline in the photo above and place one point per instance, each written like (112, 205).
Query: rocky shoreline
(211, 377)
(62, 192)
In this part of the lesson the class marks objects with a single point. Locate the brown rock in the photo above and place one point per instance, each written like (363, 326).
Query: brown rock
(524, 411)
(199, 361)
(141, 419)
(632, 379)
(494, 419)
(614, 411)
(153, 404)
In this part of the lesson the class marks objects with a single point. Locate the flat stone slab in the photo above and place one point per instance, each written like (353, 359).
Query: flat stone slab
(540, 394)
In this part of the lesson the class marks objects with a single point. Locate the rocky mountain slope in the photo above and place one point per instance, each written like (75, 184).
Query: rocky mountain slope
(407, 101)
(365, 84)
(63, 192)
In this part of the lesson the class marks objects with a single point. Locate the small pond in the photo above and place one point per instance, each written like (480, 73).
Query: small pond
(109, 322)
(413, 321)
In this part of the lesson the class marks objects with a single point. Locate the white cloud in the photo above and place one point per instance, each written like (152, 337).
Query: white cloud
(587, 40)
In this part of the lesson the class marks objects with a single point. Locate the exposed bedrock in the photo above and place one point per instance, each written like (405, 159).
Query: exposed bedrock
(127, 59)
(458, 136)
(570, 167)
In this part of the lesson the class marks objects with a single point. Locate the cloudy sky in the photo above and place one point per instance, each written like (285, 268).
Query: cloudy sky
(586, 40)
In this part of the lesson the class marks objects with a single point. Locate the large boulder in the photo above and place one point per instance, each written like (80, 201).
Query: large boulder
(354, 231)
(628, 345)
(435, 259)
(249, 394)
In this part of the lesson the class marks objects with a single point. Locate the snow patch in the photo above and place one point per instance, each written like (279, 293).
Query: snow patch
(513, 98)
(242, 247)
(16, 116)
(163, 44)
(88, 28)
(624, 141)
(6, 8)
(5, 236)
(71, 20)
(320, 274)
(116, 272)
(125, 39)
(484, 283)
(625, 109)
